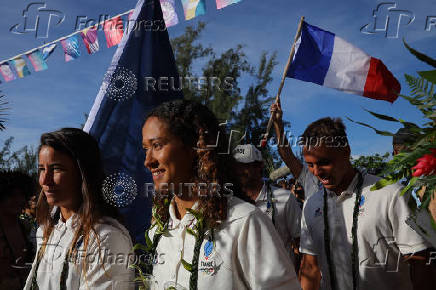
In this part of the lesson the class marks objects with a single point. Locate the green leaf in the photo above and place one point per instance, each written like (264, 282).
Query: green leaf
(428, 75)
(383, 133)
(191, 232)
(410, 185)
(148, 241)
(420, 55)
(133, 266)
(382, 117)
(195, 213)
(186, 265)
(382, 183)
(140, 247)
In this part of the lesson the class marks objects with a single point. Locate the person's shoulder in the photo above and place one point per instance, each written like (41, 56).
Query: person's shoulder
(239, 209)
(283, 195)
(278, 191)
(388, 190)
(110, 229)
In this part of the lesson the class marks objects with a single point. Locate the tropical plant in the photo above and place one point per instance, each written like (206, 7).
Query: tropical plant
(373, 164)
(417, 164)
(23, 160)
(3, 110)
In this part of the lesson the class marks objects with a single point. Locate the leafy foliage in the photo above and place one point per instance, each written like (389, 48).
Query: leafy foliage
(374, 164)
(246, 116)
(3, 110)
(420, 56)
(24, 159)
(423, 97)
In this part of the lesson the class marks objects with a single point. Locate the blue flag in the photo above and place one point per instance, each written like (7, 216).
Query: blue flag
(129, 91)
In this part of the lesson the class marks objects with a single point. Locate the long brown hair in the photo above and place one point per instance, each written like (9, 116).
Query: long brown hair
(83, 149)
(198, 128)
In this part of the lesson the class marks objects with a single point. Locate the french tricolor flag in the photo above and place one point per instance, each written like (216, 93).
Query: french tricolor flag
(323, 58)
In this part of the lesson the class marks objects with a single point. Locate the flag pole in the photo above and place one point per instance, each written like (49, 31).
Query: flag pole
(282, 83)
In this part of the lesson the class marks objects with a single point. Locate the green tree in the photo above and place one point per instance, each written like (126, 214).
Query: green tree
(23, 160)
(222, 91)
(3, 109)
(216, 84)
(373, 164)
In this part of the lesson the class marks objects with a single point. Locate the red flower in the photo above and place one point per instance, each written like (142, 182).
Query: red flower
(426, 164)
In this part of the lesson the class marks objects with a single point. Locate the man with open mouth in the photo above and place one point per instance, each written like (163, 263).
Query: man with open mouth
(351, 237)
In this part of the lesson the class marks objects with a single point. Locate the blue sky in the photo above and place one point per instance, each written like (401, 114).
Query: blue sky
(59, 96)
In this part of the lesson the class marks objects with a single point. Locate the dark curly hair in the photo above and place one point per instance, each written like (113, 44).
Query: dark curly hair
(198, 127)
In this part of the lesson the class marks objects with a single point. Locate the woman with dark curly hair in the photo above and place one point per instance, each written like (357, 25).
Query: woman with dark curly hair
(78, 235)
(202, 235)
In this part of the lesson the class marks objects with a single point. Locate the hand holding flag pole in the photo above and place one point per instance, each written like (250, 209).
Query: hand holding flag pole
(282, 83)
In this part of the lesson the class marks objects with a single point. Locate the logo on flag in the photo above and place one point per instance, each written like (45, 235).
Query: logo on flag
(224, 3)
(7, 72)
(323, 58)
(193, 8)
(20, 67)
(169, 12)
(37, 60)
(113, 30)
(71, 48)
(48, 50)
(90, 38)
(120, 108)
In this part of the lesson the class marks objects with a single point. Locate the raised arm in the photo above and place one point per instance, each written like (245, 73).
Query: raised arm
(284, 148)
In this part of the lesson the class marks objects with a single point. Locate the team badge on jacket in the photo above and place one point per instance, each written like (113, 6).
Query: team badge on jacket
(210, 261)
(361, 208)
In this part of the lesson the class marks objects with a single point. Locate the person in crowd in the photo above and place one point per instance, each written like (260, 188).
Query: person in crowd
(16, 248)
(78, 235)
(299, 170)
(352, 237)
(298, 191)
(278, 203)
(291, 182)
(203, 235)
(282, 183)
(400, 143)
(400, 140)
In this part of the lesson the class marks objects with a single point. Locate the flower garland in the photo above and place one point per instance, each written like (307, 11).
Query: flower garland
(199, 231)
(355, 249)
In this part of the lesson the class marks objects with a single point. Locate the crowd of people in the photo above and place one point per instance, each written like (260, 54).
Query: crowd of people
(217, 223)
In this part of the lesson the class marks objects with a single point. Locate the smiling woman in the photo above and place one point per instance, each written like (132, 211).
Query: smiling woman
(205, 237)
(78, 230)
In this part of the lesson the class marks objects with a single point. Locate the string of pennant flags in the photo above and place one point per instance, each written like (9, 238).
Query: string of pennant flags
(16, 67)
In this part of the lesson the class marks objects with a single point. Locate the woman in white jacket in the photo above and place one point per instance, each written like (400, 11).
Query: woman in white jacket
(81, 245)
(203, 236)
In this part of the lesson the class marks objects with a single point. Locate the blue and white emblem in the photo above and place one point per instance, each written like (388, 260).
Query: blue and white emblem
(208, 249)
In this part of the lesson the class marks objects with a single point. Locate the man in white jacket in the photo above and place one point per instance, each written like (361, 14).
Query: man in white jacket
(278, 203)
